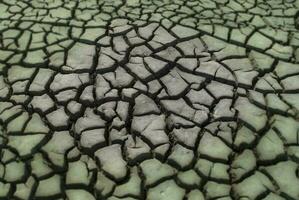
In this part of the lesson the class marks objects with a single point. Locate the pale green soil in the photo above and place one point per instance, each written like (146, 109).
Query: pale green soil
(149, 100)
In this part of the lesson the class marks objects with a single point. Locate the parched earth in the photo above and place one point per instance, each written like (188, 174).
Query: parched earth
(149, 99)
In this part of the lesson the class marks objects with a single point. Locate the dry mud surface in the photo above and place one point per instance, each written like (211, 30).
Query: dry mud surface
(153, 100)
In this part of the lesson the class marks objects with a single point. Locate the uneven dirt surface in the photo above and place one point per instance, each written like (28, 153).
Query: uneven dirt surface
(149, 99)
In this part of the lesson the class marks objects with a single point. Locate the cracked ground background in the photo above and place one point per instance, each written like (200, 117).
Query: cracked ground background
(155, 100)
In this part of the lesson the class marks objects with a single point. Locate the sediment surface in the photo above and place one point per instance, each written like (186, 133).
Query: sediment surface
(153, 100)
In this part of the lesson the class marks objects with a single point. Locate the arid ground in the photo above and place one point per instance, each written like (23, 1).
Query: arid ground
(149, 99)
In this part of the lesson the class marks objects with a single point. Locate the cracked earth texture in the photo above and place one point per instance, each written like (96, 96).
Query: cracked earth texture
(154, 100)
